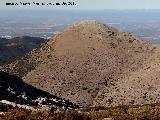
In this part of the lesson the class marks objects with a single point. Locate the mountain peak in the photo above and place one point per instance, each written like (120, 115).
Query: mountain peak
(80, 62)
(87, 22)
(92, 24)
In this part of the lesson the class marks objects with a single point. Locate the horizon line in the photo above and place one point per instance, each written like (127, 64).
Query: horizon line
(78, 9)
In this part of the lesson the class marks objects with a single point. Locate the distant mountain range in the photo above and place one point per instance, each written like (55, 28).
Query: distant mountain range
(14, 48)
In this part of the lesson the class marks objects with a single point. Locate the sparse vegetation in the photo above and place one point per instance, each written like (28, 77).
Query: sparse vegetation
(143, 112)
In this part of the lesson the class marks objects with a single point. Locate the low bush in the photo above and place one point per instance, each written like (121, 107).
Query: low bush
(144, 112)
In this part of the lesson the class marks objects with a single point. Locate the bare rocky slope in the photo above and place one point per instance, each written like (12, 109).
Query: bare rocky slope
(93, 64)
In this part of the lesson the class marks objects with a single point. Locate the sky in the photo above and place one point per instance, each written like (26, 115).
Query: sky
(86, 4)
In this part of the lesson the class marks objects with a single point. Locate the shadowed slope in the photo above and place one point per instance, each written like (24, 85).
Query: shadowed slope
(13, 89)
(14, 48)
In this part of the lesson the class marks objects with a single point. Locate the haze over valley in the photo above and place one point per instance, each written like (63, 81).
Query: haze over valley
(142, 23)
